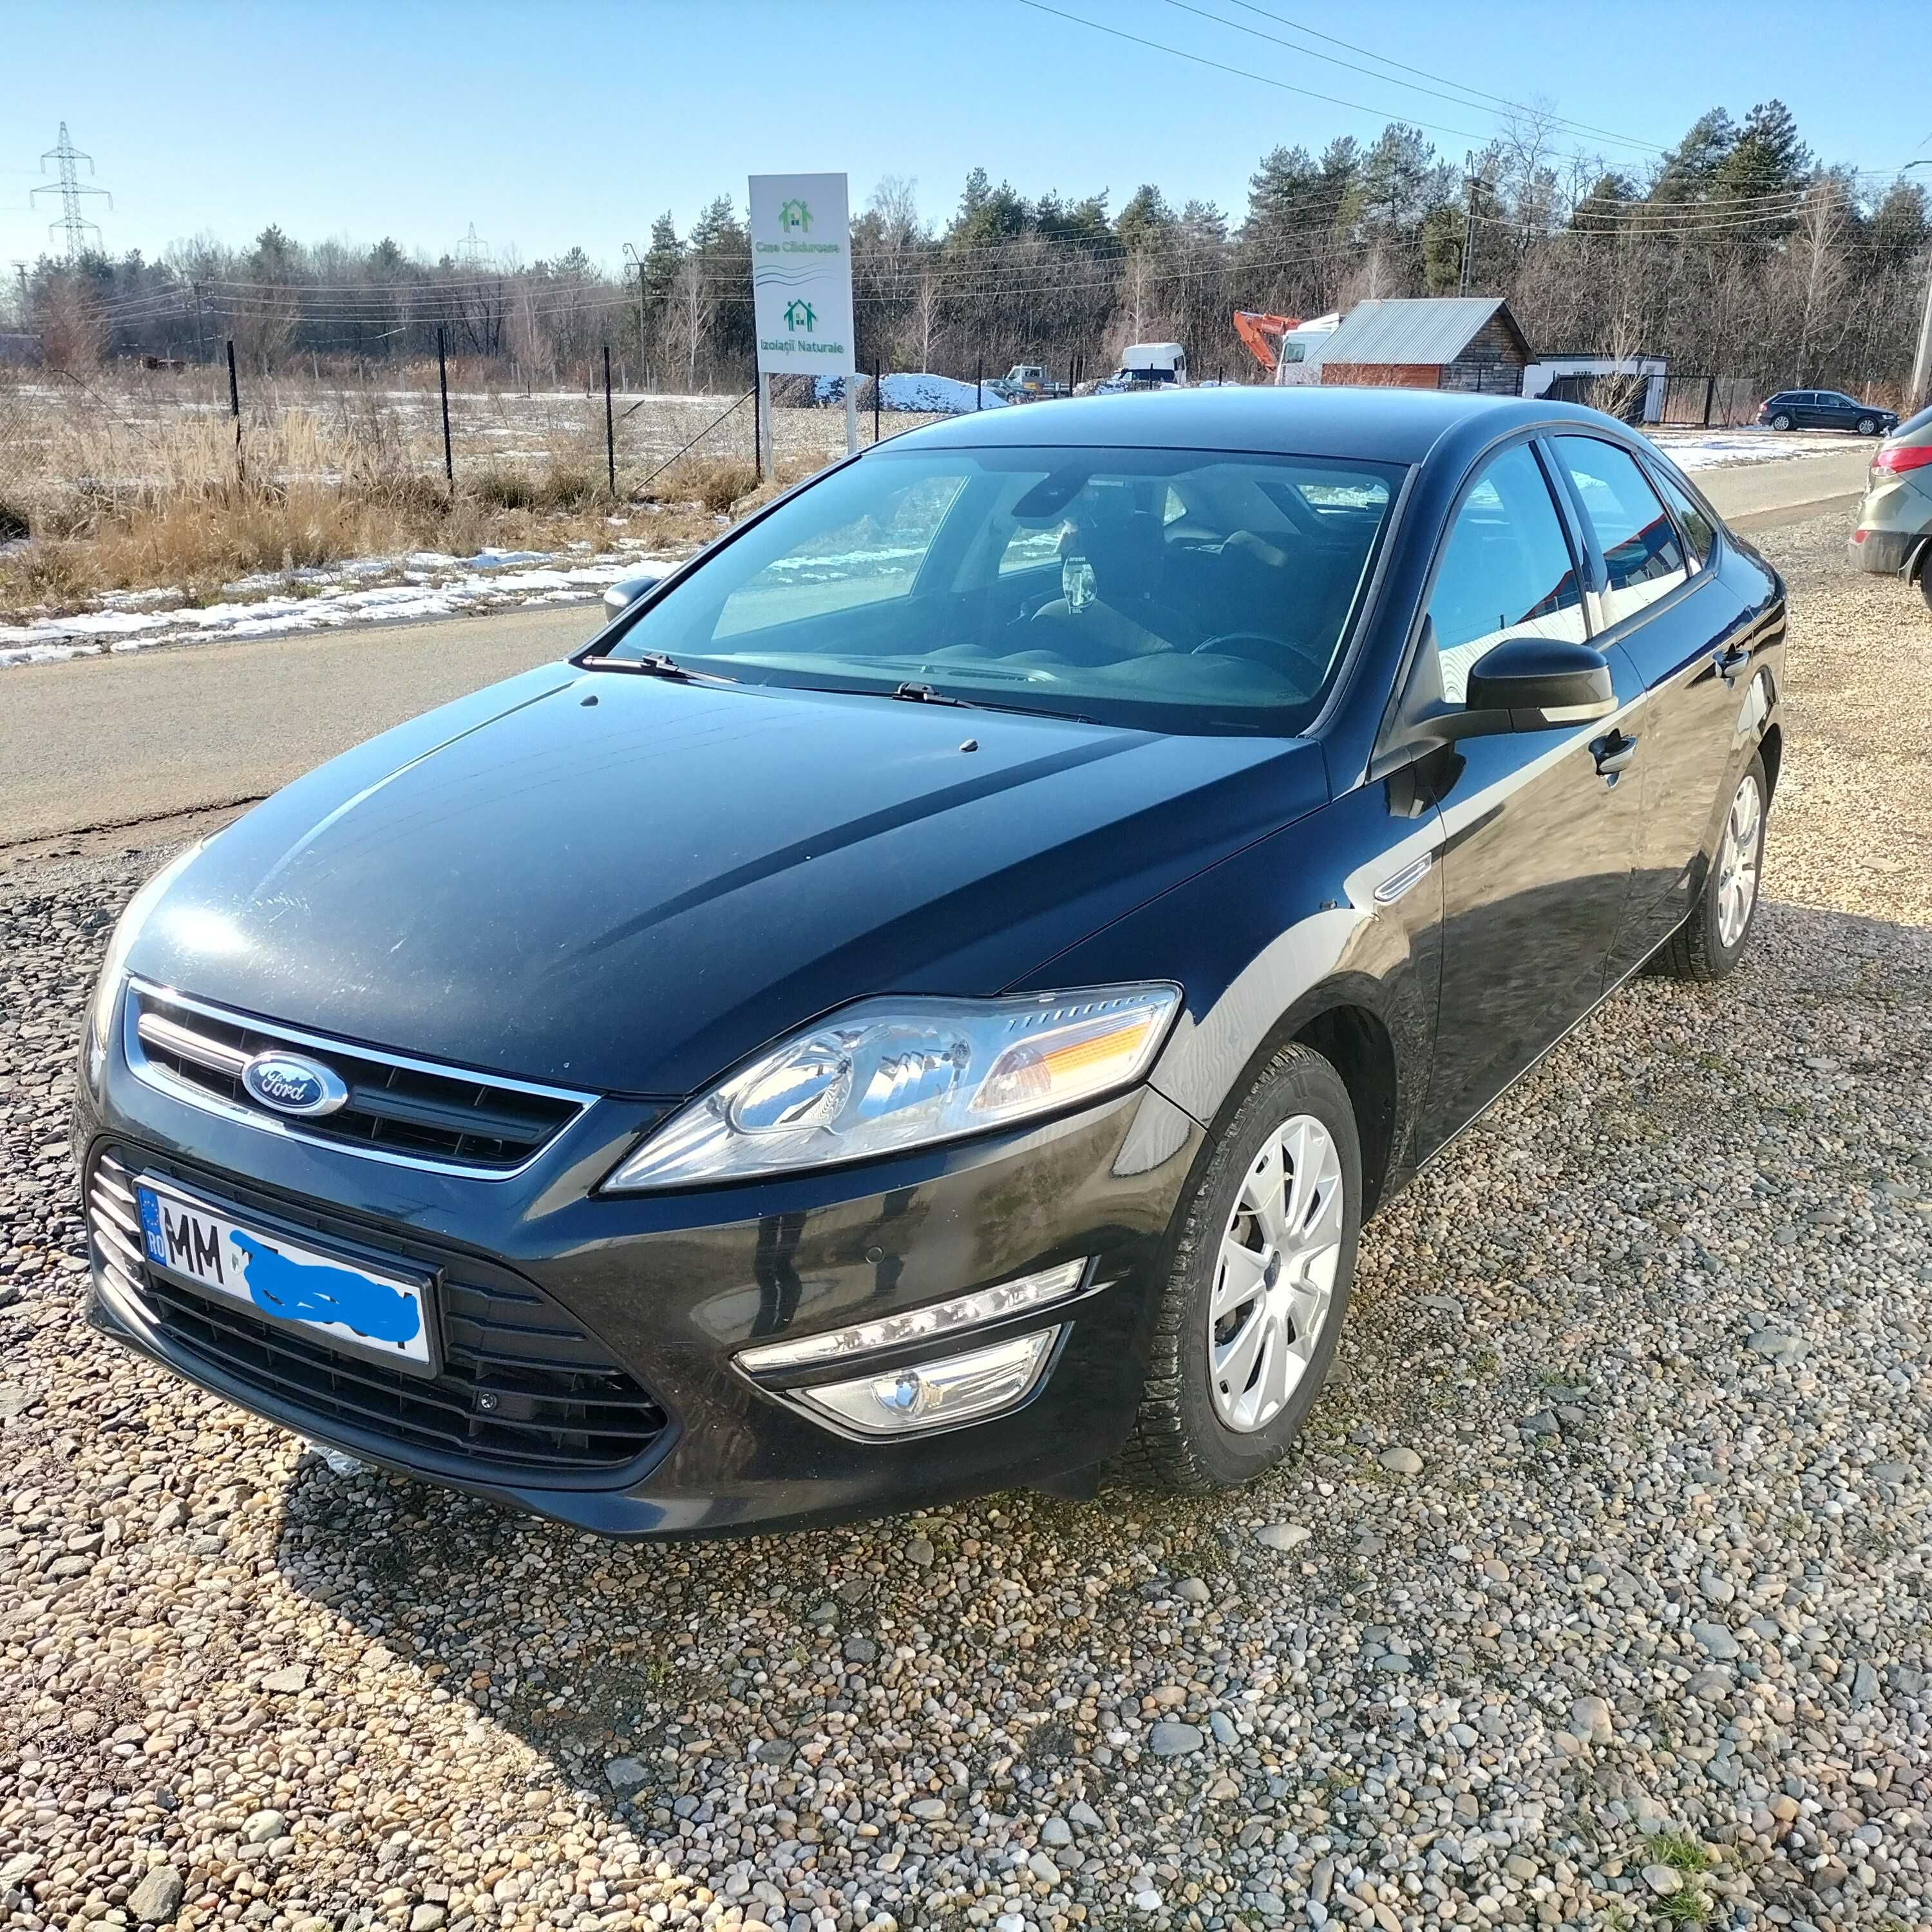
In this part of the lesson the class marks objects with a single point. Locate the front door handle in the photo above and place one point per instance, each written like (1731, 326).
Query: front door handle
(1614, 754)
(1731, 662)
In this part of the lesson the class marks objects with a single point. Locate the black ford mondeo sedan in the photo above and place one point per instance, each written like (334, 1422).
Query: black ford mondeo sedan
(926, 1001)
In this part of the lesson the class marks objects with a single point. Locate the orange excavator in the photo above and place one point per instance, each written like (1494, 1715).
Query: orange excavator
(1261, 335)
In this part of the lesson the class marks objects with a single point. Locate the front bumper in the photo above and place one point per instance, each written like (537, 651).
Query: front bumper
(659, 1293)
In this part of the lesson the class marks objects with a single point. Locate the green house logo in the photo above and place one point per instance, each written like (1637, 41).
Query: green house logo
(794, 216)
(799, 315)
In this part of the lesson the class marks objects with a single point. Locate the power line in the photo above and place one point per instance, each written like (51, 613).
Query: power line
(1246, 74)
(1458, 100)
(1498, 100)
(73, 224)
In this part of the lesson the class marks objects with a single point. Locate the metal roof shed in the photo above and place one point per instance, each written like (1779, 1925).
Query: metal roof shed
(1430, 342)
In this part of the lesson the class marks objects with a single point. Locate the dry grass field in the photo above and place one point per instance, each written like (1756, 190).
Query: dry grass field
(143, 482)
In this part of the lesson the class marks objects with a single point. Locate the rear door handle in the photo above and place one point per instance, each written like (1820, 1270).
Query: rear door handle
(1730, 662)
(1614, 754)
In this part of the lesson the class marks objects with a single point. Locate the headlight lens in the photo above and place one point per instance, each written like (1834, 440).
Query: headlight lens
(114, 966)
(892, 1073)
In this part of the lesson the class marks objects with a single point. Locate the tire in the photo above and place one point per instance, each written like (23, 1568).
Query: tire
(1188, 1437)
(1925, 583)
(1868, 426)
(1780, 421)
(1712, 939)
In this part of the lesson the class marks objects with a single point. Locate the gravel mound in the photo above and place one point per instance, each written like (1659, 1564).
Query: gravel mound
(1596, 1595)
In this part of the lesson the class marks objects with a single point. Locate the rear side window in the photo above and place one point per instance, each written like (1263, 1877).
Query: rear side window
(1639, 543)
(1699, 535)
(1506, 571)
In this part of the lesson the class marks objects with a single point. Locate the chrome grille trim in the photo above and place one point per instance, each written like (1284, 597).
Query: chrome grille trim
(142, 1028)
(152, 1029)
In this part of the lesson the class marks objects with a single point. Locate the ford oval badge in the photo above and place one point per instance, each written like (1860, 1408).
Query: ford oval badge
(289, 1083)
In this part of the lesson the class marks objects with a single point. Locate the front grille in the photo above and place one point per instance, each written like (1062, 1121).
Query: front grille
(522, 1387)
(397, 1109)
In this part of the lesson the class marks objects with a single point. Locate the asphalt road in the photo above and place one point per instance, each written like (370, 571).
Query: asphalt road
(105, 742)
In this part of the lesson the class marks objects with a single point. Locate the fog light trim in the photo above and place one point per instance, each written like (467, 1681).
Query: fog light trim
(943, 1394)
(937, 1319)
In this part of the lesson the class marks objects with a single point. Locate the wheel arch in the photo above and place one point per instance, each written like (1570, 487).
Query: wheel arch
(1341, 1020)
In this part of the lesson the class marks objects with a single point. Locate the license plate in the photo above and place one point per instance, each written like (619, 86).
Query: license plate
(359, 1310)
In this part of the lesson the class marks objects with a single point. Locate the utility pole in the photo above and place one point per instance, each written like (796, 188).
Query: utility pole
(73, 228)
(1468, 225)
(637, 262)
(1922, 363)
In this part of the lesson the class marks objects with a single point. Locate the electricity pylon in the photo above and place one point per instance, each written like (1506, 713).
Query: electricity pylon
(72, 225)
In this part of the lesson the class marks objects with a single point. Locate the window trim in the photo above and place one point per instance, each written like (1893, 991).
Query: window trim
(1606, 631)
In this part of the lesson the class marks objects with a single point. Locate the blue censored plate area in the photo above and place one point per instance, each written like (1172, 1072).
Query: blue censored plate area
(350, 1307)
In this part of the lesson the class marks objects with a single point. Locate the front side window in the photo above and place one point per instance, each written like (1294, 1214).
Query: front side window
(1506, 571)
(1183, 590)
(1640, 543)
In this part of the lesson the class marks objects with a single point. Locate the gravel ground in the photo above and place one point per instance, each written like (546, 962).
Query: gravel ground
(1596, 1595)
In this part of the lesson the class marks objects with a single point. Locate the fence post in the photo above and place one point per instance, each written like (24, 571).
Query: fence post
(1710, 391)
(610, 426)
(875, 400)
(443, 383)
(234, 406)
(980, 384)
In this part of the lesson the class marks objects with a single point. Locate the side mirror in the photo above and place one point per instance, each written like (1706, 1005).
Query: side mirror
(1532, 684)
(622, 594)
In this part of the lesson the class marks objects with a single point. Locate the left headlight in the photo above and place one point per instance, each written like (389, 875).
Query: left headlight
(888, 1074)
(114, 966)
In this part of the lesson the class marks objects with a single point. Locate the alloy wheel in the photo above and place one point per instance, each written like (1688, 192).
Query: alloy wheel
(1274, 1276)
(1737, 859)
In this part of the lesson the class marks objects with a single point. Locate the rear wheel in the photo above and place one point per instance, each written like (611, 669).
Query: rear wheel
(1712, 939)
(1780, 421)
(1263, 1265)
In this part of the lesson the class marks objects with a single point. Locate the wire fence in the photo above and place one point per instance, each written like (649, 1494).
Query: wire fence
(71, 448)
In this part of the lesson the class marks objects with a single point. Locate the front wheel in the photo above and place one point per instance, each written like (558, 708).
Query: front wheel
(1711, 941)
(1868, 426)
(1264, 1260)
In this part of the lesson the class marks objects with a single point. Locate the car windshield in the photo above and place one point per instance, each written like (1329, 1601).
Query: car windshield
(1179, 590)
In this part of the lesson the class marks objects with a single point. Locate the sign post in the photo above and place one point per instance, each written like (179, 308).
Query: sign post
(801, 286)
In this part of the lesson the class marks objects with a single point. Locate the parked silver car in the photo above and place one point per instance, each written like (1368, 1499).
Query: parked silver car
(1893, 535)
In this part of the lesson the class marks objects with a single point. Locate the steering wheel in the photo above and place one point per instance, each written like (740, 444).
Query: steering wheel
(1315, 668)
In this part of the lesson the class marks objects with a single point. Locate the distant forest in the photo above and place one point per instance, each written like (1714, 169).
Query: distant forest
(1736, 253)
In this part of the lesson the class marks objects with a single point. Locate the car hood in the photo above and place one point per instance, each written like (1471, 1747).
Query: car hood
(626, 884)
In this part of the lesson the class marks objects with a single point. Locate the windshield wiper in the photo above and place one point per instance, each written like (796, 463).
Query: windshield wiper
(654, 664)
(924, 694)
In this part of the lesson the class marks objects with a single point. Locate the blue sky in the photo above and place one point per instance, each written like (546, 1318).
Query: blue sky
(548, 126)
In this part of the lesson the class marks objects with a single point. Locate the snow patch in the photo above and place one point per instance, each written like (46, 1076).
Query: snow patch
(925, 394)
(434, 585)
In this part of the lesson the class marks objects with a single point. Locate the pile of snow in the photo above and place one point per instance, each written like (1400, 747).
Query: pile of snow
(1713, 448)
(434, 585)
(921, 394)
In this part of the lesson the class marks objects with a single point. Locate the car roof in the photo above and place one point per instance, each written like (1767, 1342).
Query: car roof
(1384, 425)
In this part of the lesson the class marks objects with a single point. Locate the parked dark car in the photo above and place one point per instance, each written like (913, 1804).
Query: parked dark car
(1894, 535)
(1825, 409)
(925, 1000)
